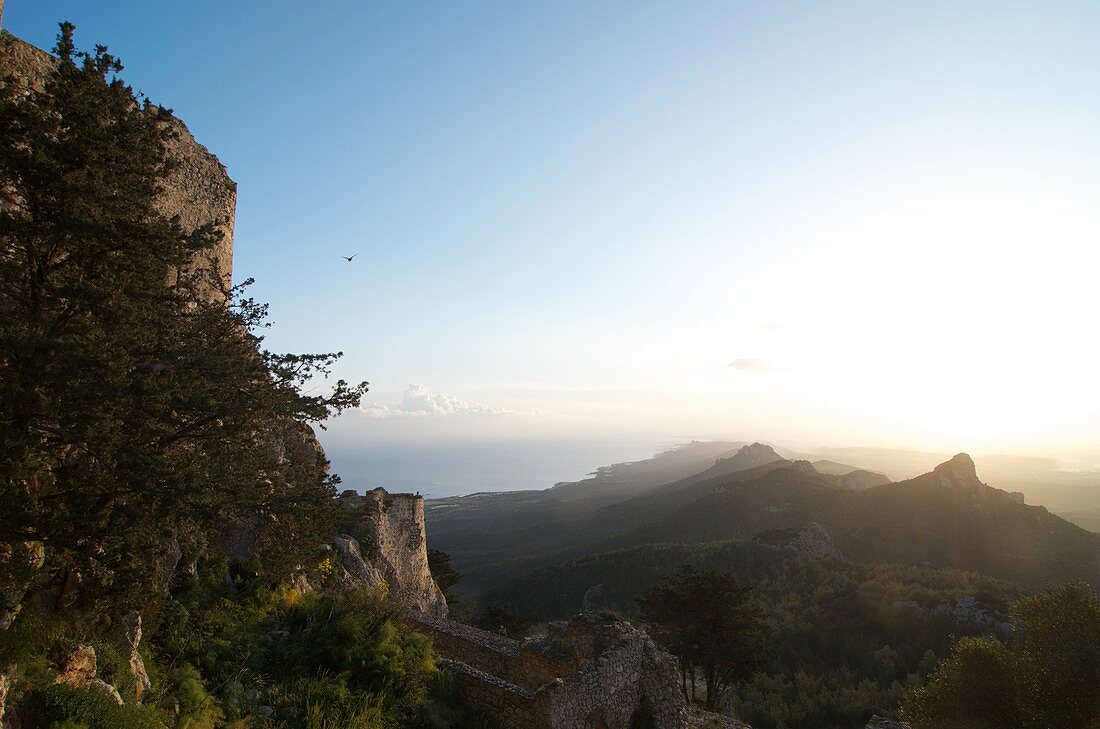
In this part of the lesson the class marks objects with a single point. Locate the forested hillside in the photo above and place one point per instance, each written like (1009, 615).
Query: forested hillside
(866, 583)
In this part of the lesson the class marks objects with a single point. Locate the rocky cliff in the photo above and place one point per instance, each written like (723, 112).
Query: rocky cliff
(197, 188)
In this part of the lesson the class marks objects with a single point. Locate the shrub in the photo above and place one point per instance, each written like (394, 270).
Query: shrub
(61, 706)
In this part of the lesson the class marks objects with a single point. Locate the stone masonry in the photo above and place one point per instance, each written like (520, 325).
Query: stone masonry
(386, 543)
(587, 673)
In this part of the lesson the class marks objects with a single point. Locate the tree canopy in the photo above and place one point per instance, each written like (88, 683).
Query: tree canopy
(705, 620)
(1048, 675)
(139, 413)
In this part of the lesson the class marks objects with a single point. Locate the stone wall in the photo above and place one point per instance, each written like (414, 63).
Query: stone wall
(388, 533)
(513, 705)
(623, 676)
(587, 672)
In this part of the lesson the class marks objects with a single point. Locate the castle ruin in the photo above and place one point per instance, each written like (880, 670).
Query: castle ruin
(590, 672)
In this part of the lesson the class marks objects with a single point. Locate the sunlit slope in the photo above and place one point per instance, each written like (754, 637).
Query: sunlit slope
(499, 527)
(945, 518)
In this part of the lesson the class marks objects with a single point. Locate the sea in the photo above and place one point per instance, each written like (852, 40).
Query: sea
(443, 469)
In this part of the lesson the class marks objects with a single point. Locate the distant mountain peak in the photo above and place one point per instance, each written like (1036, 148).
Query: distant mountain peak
(755, 454)
(959, 472)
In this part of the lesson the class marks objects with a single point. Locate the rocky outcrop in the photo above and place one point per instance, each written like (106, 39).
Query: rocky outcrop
(131, 627)
(961, 476)
(78, 669)
(197, 187)
(966, 612)
(7, 675)
(750, 456)
(386, 543)
(959, 473)
(810, 541)
(349, 555)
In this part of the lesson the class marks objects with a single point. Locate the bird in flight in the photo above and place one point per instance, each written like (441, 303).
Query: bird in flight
(348, 258)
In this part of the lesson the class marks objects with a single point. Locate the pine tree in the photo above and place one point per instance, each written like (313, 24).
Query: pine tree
(704, 619)
(137, 411)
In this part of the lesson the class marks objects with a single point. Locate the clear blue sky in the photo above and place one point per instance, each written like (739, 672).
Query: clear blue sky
(823, 223)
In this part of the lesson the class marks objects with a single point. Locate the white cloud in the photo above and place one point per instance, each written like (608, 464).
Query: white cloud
(419, 400)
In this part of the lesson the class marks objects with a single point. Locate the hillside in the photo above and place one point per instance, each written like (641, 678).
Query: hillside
(866, 587)
(946, 517)
(563, 501)
(495, 531)
(848, 635)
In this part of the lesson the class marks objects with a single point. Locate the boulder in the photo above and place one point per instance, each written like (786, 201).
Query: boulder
(78, 668)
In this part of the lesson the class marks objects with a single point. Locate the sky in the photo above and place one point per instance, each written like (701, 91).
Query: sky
(820, 224)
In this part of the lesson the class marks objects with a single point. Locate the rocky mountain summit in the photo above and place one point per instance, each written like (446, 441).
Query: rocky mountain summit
(958, 473)
(750, 456)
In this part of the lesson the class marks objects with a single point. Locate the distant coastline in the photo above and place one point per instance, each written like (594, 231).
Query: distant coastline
(439, 470)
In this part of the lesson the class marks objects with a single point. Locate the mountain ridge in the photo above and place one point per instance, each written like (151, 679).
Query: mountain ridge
(946, 517)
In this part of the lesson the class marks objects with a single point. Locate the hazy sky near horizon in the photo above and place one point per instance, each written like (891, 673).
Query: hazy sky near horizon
(815, 223)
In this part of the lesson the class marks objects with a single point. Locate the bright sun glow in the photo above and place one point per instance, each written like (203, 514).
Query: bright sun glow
(966, 316)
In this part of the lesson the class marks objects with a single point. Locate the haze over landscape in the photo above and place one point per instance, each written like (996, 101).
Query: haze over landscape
(857, 225)
(731, 365)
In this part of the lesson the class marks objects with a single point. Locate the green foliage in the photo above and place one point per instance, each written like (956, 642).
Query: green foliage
(136, 404)
(1059, 644)
(183, 693)
(439, 563)
(1049, 675)
(505, 620)
(140, 414)
(976, 687)
(326, 702)
(704, 619)
(66, 707)
(846, 645)
(445, 710)
(34, 635)
(337, 658)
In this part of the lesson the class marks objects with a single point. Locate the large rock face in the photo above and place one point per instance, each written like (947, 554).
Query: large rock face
(958, 473)
(387, 543)
(199, 192)
(78, 668)
(750, 456)
(197, 188)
